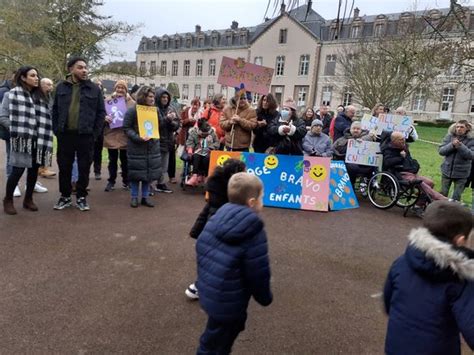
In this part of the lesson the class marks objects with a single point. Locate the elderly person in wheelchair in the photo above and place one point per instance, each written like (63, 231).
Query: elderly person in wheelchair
(339, 149)
(398, 161)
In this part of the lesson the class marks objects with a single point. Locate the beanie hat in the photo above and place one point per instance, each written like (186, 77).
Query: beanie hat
(290, 103)
(316, 122)
(121, 83)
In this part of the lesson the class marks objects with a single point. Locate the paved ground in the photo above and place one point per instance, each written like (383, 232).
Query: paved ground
(111, 280)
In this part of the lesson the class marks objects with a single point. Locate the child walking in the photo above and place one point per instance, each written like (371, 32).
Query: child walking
(233, 264)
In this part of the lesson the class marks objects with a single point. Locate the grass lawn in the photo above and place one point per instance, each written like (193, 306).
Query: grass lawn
(429, 159)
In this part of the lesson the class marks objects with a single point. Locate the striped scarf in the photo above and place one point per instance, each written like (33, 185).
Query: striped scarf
(30, 126)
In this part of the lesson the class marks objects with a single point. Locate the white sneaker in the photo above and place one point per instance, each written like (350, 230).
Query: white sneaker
(17, 192)
(40, 188)
(192, 292)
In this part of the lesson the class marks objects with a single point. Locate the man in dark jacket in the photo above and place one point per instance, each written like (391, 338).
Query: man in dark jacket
(343, 121)
(233, 264)
(78, 118)
(457, 149)
(325, 117)
(169, 124)
(429, 292)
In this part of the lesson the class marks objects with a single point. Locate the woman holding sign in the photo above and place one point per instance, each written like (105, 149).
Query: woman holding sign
(115, 139)
(143, 151)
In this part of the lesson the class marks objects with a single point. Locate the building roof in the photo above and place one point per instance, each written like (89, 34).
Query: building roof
(311, 21)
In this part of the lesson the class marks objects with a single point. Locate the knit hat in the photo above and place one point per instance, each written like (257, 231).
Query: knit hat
(121, 83)
(316, 122)
(290, 103)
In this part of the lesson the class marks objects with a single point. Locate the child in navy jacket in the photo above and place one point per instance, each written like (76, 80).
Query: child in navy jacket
(429, 292)
(233, 264)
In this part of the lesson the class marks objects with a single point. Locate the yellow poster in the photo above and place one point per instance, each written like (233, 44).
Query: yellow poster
(148, 124)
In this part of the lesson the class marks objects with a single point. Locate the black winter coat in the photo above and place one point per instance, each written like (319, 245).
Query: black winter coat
(326, 120)
(394, 162)
(262, 137)
(340, 125)
(233, 265)
(429, 298)
(144, 158)
(288, 144)
(91, 110)
(167, 127)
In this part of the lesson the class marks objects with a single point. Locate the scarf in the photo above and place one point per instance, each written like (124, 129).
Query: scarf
(30, 126)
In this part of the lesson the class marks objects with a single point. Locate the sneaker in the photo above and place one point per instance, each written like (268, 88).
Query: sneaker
(125, 186)
(40, 188)
(110, 186)
(192, 292)
(363, 189)
(82, 204)
(98, 176)
(46, 173)
(62, 203)
(17, 192)
(163, 188)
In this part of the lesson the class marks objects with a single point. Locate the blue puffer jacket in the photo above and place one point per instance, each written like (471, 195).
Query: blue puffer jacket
(232, 256)
(429, 298)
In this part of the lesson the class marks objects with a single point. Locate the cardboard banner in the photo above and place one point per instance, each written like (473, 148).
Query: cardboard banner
(148, 124)
(289, 181)
(342, 196)
(387, 122)
(363, 153)
(116, 109)
(234, 72)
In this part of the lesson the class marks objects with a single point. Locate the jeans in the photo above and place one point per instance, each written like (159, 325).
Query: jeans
(134, 188)
(70, 146)
(459, 185)
(218, 337)
(15, 177)
(114, 155)
(165, 159)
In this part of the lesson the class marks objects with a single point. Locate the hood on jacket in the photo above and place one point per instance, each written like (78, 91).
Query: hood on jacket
(452, 131)
(158, 94)
(438, 260)
(237, 223)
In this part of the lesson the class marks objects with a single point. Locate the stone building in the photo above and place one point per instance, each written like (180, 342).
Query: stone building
(302, 47)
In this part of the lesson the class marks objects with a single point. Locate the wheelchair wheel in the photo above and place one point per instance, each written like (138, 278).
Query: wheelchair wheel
(383, 190)
(408, 196)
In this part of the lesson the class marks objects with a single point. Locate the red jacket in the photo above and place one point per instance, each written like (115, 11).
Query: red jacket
(213, 118)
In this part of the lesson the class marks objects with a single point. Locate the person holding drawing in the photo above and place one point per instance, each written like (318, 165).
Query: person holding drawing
(238, 122)
(115, 140)
(143, 152)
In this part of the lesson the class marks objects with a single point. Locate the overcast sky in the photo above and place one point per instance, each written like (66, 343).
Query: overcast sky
(159, 17)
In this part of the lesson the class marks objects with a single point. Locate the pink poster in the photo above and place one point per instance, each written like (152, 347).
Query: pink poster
(316, 175)
(256, 78)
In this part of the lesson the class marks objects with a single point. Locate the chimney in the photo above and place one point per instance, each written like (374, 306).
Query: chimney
(234, 26)
(356, 13)
(282, 8)
(198, 28)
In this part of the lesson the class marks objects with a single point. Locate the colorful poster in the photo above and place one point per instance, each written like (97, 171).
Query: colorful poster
(290, 181)
(234, 72)
(116, 108)
(148, 125)
(342, 196)
(363, 153)
(387, 122)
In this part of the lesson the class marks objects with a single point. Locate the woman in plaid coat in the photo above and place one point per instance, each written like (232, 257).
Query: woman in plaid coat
(31, 136)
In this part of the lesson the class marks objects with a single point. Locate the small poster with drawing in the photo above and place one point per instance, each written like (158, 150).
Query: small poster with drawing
(116, 108)
(148, 124)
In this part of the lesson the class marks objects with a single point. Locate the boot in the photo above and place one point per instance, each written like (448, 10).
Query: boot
(8, 206)
(147, 203)
(29, 205)
(193, 181)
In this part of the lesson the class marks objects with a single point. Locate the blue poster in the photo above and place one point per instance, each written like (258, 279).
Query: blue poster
(281, 175)
(341, 196)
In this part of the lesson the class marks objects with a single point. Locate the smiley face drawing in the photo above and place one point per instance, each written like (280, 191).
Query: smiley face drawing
(318, 173)
(271, 162)
(222, 159)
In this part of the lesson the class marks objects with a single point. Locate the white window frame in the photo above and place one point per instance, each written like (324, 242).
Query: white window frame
(283, 36)
(153, 67)
(199, 67)
(197, 90)
(258, 60)
(185, 91)
(163, 67)
(303, 68)
(355, 31)
(210, 90)
(326, 95)
(447, 99)
(174, 68)
(302, 96)
(186, 67)
(418, 102)
(255, 98)
(212, 67)
(280, 65)
(347, 98)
